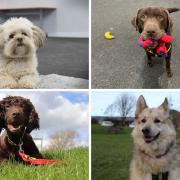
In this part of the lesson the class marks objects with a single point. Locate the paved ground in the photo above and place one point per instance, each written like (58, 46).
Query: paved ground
(64, 56)
(120, 63)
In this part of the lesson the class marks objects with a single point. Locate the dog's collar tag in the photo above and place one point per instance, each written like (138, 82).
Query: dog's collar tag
(160, 176)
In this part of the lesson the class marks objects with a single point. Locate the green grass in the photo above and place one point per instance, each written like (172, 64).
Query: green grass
(74, 168)
(111, 153)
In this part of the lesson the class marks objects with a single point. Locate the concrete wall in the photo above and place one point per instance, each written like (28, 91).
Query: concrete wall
(24, 3)
(70, 19)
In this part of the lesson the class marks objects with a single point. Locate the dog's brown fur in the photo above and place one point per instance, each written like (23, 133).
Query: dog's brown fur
(155, 147)
(16, 113)
(157, 21)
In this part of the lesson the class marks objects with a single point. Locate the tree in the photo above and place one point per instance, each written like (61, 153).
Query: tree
(63, 140)
(110, 110)
(125, 104)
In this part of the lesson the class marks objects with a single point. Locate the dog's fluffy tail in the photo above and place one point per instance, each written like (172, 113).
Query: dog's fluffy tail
(171, 10)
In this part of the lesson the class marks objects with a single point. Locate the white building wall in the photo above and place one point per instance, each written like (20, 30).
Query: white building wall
(69, 19)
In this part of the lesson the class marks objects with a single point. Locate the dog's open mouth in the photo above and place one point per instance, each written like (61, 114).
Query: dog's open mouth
(149, 139)
(14, 129)
(20, 44)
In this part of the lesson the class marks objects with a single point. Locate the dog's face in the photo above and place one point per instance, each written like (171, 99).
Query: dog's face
(16, 119)
(152, 124)
(20, 38)
(152, 22)
(16, 113)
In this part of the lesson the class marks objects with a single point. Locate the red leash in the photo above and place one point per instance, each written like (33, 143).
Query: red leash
(32, 160)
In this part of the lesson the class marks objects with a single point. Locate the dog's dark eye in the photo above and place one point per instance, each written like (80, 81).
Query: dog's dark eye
(23, 33)
(160, 17)
(11, 36)
(143, 17)
(157, 121)
(143, 120)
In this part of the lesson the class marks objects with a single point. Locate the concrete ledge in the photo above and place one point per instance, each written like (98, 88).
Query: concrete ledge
(54, 81)
(69, 34)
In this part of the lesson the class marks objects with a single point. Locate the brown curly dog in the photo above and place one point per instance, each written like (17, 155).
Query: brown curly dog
(18, 117)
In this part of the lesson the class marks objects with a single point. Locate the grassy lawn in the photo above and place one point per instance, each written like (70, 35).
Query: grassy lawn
(74, 168)
(111, 154)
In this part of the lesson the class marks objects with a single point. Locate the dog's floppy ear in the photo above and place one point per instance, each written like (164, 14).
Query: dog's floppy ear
(33, 121)
(164, 106)
(169, 25)
(171, 10)
(2, 115)
(140, 106)
(135, 22)
(38, 36)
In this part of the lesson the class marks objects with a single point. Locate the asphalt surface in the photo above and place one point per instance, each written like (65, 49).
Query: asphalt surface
(120, 63)
(64, 56)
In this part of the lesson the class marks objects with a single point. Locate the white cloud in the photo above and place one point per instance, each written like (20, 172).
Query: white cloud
(56, 113)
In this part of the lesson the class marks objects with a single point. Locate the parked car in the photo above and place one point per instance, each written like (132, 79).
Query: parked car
(106, 123)
(132, 125)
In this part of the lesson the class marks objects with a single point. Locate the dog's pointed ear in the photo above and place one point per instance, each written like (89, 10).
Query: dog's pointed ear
(38, 36)
(140, 106)
(33, 122)
(164, 106)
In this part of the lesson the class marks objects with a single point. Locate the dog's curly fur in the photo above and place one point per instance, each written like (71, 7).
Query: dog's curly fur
(19, 40)
(16, 113)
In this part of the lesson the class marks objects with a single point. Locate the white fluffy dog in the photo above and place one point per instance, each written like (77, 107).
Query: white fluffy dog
(19, 40)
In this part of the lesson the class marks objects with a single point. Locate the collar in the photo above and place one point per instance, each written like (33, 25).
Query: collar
(161, 155)
(160, 176)
(20, 141)
(11, 142)
(155, 54)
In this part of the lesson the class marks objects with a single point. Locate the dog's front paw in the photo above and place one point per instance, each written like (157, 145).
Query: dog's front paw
(28, 82)
(150, 64)
(7, 82)
(23, 84)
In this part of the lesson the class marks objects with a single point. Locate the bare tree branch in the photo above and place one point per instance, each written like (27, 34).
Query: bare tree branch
(110, 110)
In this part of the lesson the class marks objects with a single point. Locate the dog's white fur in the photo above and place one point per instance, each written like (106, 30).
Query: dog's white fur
(145, 161)
(19, 40)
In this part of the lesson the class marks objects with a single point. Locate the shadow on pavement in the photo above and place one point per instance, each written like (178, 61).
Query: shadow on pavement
(151, 75)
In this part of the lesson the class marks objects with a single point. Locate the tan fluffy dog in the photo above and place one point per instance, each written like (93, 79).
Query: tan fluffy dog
(156, 153)
(19, 40)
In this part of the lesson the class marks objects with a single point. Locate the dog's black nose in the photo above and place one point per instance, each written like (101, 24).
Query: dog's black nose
(150, 32)
(15, 114)
(19, 39)
(146, 131)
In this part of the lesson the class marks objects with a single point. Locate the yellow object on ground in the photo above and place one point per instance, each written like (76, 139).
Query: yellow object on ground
(108, 35)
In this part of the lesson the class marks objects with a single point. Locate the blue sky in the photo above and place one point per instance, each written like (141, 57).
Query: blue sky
(101, 99)
(76, 97)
